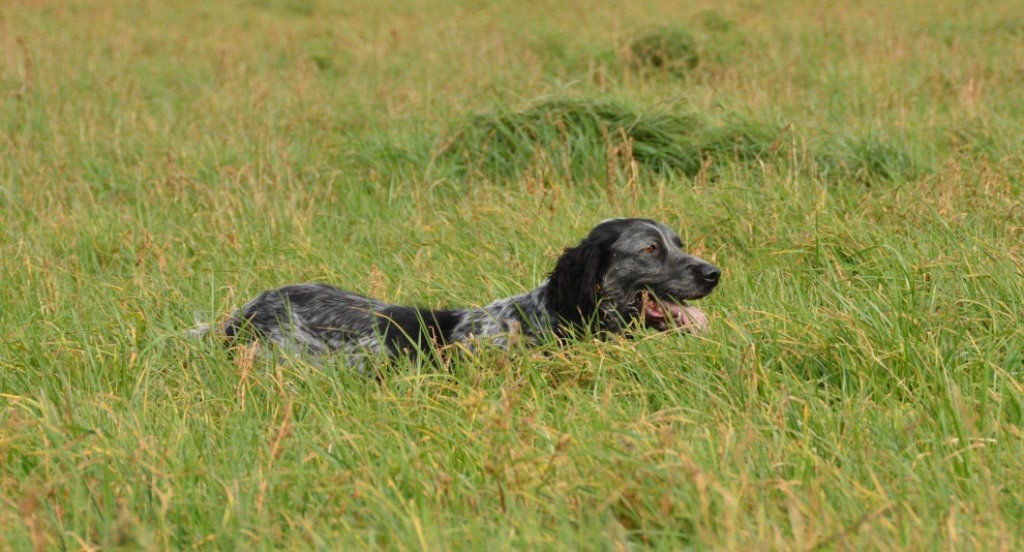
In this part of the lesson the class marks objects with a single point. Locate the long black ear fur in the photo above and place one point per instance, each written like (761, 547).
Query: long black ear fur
(573, 284)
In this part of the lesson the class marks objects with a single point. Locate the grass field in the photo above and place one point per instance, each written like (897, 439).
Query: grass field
(856, 169)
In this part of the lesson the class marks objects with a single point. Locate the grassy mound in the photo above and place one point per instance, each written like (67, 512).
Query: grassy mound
(1012, 25)
(865, 160)
(579, 138)
(658, 52)
(671, 50)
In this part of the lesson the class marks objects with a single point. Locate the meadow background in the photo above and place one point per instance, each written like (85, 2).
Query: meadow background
(856, 169)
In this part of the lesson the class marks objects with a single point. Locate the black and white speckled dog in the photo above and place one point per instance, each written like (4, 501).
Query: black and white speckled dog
(625, 271)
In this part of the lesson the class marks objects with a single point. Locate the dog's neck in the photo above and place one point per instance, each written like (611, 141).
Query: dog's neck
(603, 318)
(532, 313)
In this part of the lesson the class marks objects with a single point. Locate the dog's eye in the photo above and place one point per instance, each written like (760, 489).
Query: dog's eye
(650, 249)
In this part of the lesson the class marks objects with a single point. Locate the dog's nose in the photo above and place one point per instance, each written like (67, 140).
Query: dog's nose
(710, 273)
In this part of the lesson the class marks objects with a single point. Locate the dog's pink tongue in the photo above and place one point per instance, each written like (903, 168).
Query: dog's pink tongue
(688, 317)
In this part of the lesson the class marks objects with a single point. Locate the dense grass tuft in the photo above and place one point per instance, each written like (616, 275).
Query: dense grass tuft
(579, 139)
(714, 21)
(867, 160)
(1012, 25)
(667, 49)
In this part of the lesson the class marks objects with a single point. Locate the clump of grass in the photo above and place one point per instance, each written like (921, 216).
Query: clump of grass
(736, 139)
(667, 49)
(658, 52)
(715, 22)
(288, 7)
(579, 138)
(321, 52)
(723, 45)
(1012, 25)
(867, 160)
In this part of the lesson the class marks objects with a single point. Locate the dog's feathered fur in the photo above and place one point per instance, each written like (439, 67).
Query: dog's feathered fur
(625, 270)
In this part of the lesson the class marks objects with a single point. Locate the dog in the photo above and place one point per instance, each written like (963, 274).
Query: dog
(625, 273)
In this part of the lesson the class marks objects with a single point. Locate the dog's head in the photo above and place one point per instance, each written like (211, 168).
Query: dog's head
(627, 270)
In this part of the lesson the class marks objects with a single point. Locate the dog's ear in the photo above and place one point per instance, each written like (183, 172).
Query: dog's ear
(573, 286)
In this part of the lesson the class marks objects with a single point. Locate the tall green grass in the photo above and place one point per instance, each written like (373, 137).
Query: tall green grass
(861, 386)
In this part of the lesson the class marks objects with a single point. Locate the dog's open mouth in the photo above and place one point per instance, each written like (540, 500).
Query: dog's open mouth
(663, 315)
